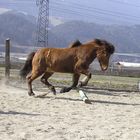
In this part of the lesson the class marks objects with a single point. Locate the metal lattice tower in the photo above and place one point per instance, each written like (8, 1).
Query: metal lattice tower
(43, 23)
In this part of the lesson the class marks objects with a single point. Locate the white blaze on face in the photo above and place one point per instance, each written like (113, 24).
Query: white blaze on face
(104, 68)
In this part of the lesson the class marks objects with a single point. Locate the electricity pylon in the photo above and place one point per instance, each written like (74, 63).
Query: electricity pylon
(43, 23)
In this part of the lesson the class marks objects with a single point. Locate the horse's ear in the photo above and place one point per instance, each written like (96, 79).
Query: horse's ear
(98, 41)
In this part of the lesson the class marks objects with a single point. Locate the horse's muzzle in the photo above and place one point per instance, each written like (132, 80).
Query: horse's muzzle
(104, 68)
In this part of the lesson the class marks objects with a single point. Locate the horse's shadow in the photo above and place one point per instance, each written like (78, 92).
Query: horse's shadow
(114, 103)
(90, 101)
(97, 91)
(104, 91)
(92, 90)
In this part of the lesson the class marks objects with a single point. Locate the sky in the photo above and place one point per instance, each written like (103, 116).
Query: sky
(102, 11)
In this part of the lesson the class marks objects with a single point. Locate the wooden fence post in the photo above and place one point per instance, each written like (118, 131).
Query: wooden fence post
(7, 58)
(138, 85)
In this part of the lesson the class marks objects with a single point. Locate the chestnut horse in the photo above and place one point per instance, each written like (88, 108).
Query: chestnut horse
(74, 60)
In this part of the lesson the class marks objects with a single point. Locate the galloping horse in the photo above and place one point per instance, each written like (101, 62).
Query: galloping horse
(76, 60)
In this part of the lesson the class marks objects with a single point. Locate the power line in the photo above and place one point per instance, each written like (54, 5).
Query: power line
(98, 10)
(125, 3)
(70, 12)
(89, 16)
(95, 10)
(88, 11)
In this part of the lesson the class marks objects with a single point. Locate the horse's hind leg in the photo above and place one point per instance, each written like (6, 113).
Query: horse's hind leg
(75, 80)
(30, 79)
(44, 79)
(85, 80)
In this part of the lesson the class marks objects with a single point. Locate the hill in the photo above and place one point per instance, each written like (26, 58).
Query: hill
(125, 38)
(18, 27)
(21, 28)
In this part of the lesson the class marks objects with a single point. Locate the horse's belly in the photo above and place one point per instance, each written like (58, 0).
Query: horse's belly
(61, 63)
(62, 68)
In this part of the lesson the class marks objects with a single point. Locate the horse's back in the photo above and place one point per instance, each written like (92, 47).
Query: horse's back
(56, 59)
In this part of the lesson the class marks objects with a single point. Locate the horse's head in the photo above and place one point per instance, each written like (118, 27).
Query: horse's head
(103, 53)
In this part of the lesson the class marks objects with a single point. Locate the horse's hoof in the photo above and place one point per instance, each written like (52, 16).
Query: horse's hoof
(53, 90)
(54, 93)
(65, 89)
(87, 101)
(31, 94)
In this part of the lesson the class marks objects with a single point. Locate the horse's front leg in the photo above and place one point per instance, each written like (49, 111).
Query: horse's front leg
(83, 68)
(85, 80)
(75, 80)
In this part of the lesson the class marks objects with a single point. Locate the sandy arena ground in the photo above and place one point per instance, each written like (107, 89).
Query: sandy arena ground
(111, 116)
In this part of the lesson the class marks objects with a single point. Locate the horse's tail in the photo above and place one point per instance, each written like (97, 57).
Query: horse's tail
(27, 67)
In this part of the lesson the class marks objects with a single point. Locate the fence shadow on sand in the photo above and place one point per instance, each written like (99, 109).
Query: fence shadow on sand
(17, 113)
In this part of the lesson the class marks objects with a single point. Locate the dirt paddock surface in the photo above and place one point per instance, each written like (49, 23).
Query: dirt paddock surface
(111, 116)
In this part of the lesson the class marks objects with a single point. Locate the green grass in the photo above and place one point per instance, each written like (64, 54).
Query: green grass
(101, 81)
(97, 81)
(114, 82)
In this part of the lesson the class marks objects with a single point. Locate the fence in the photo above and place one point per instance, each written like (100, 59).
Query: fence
(126, 79)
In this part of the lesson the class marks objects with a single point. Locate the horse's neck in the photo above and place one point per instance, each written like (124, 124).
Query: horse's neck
(93, 55)
(90, 51)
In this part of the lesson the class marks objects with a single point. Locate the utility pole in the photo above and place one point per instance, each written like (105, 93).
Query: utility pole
(7, 58)
(43, 23)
